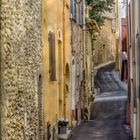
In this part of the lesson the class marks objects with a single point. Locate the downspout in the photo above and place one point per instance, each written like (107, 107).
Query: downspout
(129, 75)
(138, 55)
(92, 79)
(64, 69)
(0, 79)
(117, 40)
(84, 24)
(84, 58)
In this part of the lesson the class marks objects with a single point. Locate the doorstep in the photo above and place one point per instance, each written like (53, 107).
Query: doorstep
(65, 136)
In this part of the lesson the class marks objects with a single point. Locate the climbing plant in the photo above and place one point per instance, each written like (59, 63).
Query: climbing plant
(98, 8)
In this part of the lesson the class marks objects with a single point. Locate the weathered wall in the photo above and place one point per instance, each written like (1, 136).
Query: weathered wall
(88, 87)
(105, 44)
(21, 58)
(77, 52)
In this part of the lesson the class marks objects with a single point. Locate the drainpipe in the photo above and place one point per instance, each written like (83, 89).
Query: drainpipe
(84, 24)
(93, 51)
(129, 72)
(64, 69)
(84, 57)
(117, 40)
(0, 79)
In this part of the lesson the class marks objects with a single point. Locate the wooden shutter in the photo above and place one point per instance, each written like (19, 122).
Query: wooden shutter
(52, 61)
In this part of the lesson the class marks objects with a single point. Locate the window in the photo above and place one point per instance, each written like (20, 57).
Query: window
(72, 6)
(52, 61)
(73, 9)
(81, 14)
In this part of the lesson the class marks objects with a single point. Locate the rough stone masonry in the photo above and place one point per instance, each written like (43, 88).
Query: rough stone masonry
(21, 55)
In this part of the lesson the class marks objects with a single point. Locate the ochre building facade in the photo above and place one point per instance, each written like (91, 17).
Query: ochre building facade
(56, 64)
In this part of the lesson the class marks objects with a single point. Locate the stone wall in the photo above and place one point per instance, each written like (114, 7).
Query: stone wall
(77, 52)
(21, 55)
(104, 45)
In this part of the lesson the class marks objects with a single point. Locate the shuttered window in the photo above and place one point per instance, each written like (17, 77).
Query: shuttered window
(73, 8)
(81, 14)
(52, 61)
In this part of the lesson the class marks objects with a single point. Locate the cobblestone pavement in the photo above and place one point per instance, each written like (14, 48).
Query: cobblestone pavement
(108, 111)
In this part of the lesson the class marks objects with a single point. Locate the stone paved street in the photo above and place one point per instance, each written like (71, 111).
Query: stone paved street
(108, 111)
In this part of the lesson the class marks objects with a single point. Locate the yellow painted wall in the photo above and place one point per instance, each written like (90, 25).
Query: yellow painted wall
(68, 58)
(50, 91)
(53, 91)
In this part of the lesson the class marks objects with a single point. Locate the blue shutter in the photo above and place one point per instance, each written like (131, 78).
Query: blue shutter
(79, 13)
(74, 10)
(72, 7)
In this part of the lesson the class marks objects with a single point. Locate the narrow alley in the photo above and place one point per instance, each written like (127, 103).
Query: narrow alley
(108, 112)
(70, 69)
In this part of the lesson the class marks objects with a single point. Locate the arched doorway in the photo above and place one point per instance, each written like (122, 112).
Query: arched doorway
(67, 89)
(67, 73)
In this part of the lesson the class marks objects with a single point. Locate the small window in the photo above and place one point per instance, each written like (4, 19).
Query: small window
(52, 61)
(73, 9)
(72, 6)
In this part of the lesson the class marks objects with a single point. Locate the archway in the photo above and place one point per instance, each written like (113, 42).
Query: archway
(67, 73)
